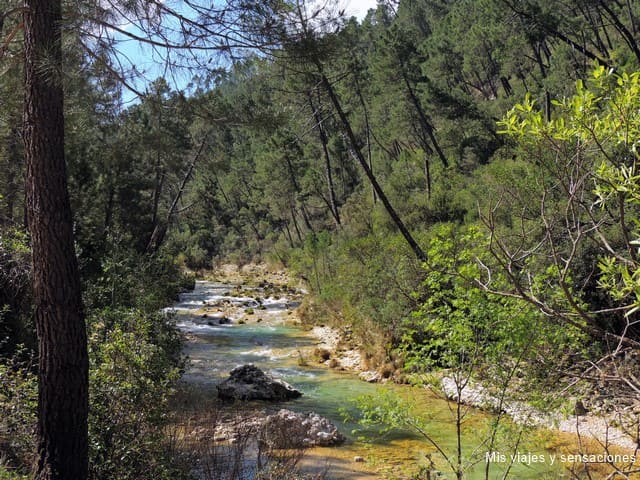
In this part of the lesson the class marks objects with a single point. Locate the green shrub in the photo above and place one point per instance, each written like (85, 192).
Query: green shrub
(11, 475)
(16, 324)
(135, 363)
(18, 407)
(134, 366)
(459, 325)
(130, 279)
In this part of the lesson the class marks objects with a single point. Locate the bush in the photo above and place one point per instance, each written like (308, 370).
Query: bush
(134, 366)
(18, 407)
(16, 325)
(10, 475)
(461, 326)
(361, 281)
(135, 362)
(129, 279)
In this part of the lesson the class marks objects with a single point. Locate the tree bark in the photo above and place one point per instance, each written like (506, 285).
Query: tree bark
(62, 443)
(288, 232)
(157, 193)
(160, 230)
(295, 222)
(513, 6)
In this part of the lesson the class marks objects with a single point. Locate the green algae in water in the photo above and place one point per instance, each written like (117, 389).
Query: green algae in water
(399, 445)
(395, 453)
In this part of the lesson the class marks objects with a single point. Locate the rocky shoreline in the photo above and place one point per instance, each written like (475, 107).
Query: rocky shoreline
(600, 428)
(335, 349)
(283, 429)
(583, 423)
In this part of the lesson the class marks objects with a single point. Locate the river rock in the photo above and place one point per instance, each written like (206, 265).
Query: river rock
(370, 376)
(287, 429)
(248, 382)
(213, 321)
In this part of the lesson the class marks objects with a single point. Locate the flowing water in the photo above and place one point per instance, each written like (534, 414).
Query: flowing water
(262, 331)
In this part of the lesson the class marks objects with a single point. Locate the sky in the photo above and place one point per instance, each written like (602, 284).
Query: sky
(149, 67)
(358, 8)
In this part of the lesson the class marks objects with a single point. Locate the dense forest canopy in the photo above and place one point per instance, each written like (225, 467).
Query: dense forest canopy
(446, 175)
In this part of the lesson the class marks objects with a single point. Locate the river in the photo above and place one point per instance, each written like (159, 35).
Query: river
(259, 326)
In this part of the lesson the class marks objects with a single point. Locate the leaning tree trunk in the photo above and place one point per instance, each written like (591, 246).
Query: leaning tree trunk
(62, 340)
(355, 150)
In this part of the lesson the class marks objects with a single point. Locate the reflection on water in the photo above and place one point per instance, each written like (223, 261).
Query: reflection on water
(214, 350)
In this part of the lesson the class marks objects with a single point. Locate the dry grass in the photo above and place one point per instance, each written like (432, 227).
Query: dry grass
(222, 440)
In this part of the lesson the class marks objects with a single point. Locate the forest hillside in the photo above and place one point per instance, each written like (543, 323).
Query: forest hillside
(454, 180)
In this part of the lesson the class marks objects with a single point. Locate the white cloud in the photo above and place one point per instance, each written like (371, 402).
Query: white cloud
(352, 8)
(358, 8)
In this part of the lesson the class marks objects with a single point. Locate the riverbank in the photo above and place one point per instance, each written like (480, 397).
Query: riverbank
(337, 349)
(258, 299)
(602, 429)
(242, 316)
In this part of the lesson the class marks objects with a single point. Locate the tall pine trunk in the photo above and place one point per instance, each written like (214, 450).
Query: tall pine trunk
(62, 340)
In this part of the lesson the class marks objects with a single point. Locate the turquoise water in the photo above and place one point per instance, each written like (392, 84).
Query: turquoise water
(214, 350)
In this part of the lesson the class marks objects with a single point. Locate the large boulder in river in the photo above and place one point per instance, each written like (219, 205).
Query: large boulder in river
(248, 382)
(289, 430)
